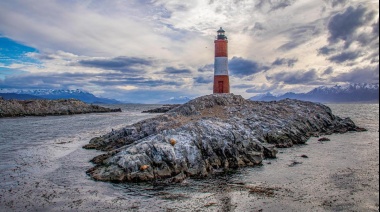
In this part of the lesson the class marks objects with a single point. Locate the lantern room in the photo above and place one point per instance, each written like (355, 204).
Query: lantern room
(221, 34)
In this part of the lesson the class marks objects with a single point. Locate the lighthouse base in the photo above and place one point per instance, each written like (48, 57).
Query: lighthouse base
(221, 84)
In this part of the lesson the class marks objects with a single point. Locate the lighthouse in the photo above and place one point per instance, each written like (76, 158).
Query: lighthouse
(221, 79)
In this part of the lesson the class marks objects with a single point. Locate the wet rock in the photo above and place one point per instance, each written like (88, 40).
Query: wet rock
(324, 139)
(295, 163)
(15, 108)
(163, 109)
(211, 133)
(179, 178)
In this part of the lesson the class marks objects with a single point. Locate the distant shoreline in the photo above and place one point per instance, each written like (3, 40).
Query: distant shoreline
(42, 107)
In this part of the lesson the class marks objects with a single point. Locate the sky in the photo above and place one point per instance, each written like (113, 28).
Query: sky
(148, 51)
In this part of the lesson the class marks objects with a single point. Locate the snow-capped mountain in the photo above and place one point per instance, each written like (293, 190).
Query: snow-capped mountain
(264, 97)
(176, 100)
(59, 94)
(359, 92)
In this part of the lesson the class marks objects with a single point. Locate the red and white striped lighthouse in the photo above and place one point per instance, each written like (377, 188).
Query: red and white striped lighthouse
(221, 79)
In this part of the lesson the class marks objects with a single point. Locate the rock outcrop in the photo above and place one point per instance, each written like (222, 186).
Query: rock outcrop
(207, 135)
(14, 108)
(163, 109)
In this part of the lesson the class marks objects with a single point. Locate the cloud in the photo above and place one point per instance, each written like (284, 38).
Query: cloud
(83, 80)
(360, 75)
(345, 56)
(206, 68)
(203, 80)
(297, 77)
(285, 61)
(242, 67)
(137, 82)
(172, 70)
(336, 3)
(273, 5)
(124, 64)
(302, 34)
(352, 35)
(326, 50)
(328, 71)
(375, 28)
(44, 81)
(263, 88)
(343, 26)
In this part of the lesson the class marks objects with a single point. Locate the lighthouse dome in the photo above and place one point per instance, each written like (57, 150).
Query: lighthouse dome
(221, 34)
(221, 30)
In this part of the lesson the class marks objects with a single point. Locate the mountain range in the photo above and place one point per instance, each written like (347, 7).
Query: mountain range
(176, 100)
(349, 93)
(55, 94)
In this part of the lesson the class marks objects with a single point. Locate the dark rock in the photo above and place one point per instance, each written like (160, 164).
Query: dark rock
(212, 133)
(304, 156)
(16, 108)
(324, 139)
(295, 163)
(163, 109)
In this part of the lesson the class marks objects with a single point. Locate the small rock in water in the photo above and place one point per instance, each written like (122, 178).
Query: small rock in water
(295, 163)
(324, 139)
(304, 156)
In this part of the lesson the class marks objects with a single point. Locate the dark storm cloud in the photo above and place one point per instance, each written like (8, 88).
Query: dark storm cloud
(345, 56)
(328, 71)
(124, 64)
(326, 50)
(242, 67)
(298, 77)
(343, 25)
(351, 27)
(285, 61)
(360, 75)
(171, 70)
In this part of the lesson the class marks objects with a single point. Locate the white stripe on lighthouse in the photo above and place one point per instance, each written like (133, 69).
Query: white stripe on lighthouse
(221, 66)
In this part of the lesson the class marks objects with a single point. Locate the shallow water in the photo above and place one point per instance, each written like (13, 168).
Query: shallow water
(42, 168)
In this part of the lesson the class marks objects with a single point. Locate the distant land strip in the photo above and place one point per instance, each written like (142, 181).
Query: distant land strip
(42, 107)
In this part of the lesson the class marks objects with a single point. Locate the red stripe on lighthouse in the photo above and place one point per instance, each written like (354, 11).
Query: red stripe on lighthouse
(221, 49)
(221, 84)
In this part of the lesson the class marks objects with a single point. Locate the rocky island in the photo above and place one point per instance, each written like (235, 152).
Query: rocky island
(16, 108)
(208, 135)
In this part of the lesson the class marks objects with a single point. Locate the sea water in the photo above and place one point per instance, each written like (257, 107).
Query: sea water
(43, 168)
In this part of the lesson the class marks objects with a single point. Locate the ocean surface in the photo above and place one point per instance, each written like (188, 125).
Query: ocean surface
(43, 165)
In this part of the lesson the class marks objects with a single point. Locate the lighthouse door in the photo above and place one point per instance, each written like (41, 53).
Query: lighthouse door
(220, 87)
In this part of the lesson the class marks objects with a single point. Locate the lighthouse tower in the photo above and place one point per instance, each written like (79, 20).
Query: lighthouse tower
(221, 79)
